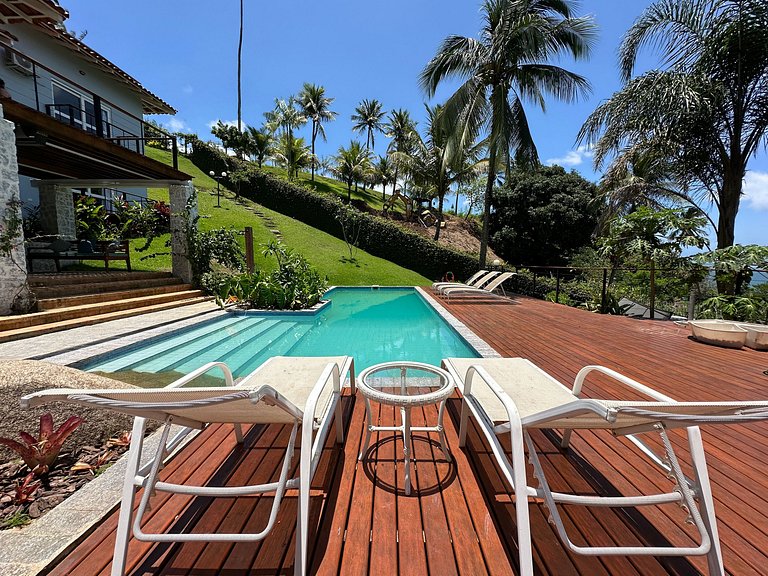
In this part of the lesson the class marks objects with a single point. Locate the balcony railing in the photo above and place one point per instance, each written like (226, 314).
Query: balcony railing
(122, 128)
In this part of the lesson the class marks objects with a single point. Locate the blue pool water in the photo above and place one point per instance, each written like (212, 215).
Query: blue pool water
(373, 326)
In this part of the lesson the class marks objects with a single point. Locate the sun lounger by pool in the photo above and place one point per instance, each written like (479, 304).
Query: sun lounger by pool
(302, 392)
(472, 282)
(476, 276)
(512, 395)
(486, 290)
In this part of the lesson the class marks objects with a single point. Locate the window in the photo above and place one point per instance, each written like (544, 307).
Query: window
(76, 109)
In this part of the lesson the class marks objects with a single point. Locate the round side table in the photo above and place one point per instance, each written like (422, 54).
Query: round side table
(390, 383)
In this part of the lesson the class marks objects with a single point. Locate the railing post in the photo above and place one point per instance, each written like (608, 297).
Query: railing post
(97, 113)
(249, 249)
(653, 289)
(557, 288)
(175, 148)
(534, 282)
(605, 291)
(37, 92)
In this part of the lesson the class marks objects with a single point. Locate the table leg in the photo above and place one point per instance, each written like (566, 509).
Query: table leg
(407, 448)
(441, 431)
(368, 426)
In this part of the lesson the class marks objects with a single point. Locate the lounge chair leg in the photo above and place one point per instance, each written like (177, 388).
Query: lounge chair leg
(302, 528)
(337, 413)
(707, 506)
(123, 533)
(521, 500)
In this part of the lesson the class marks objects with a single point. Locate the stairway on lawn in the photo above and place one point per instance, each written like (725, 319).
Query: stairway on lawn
(73, 299)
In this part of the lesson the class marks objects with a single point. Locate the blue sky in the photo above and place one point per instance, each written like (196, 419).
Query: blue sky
(185, 52)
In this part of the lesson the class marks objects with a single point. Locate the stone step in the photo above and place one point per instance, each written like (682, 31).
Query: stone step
(98, 308)
(38, 330)
(87, 288)
(92, 277)
(69, 301)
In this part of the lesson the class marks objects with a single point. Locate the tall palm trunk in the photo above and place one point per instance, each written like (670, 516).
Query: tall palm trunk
(726, 223)
(314, 135)
(441, 197)
(239, 73)
(487, 206)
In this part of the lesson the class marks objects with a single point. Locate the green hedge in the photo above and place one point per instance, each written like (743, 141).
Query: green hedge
(378, 236)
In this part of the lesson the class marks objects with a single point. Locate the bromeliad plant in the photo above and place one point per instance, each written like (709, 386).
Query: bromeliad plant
(40, 453)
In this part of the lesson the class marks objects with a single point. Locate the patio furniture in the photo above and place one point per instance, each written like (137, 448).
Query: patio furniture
(406, 392)
(302, 392)
(476, 279)
(512, 395)
(482, 291)
(757, 336)
(64, 250)
(719, 333)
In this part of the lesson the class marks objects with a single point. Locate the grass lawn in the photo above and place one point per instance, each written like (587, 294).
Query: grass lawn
(327, 253)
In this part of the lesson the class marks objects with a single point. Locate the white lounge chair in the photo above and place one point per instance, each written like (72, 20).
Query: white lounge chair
(483, 279)
(486, 290)
(470, 280)
(512, 395)
(304, 392)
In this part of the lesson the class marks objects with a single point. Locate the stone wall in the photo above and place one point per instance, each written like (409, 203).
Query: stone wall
(13, 264)
(179, 196)
(57, 211)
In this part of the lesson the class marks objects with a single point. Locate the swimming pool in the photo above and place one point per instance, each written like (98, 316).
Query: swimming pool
(372, 325)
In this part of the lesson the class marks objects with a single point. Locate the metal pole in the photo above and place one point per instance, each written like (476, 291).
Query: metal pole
(557, 289)
(604, 295)
(653, 289)
(218, 193)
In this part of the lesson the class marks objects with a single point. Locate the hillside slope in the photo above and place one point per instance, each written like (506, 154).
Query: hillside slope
(329, 254)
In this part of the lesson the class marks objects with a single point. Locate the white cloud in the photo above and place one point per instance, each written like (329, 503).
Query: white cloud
(212, 123)
(177, 125)
(756, 190)
(187, 89)
(572, 157)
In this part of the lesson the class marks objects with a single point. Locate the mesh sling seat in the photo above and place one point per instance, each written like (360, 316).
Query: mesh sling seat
(302, 392)
(512, 395)
(477, 279)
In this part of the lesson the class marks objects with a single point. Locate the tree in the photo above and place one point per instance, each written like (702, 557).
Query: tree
(434, 164)
(400, 128)
(239, 73)
(228, 134)
(260, 144)
(542, 217)
(285, 117)
(352, 163)
(654, 237)
(505, 66)
(384, 173)
(367, 118)
(474, 191)
(316, 106)
(293, 154)
(706, 112)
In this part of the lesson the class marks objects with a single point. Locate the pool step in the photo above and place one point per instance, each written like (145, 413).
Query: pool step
(9, 334)
(279, 344)
(47, 286)
(72, 301)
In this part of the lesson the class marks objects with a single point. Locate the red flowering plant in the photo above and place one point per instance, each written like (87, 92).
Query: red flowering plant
(40, 453)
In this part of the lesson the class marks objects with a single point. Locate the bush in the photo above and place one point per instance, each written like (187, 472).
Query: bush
(295, 285)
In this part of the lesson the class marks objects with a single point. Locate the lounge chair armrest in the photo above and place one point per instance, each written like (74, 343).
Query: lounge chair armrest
(634, 384)
(202, 370)
(504, 398)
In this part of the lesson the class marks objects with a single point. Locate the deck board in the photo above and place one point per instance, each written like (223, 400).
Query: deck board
(461, 516)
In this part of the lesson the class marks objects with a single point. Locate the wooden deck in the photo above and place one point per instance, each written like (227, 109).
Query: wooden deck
(460, 517)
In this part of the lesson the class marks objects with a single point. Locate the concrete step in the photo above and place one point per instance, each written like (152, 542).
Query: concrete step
(38, 330)
(87, 288)
(69, 301)
(98, 308)
(92, 277)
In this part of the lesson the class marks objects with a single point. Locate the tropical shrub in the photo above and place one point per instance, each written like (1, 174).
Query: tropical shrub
(40, 453)
(294, 285)
(740, 308)
(90, 218)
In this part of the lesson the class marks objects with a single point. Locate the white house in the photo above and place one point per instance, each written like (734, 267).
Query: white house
(73, 122)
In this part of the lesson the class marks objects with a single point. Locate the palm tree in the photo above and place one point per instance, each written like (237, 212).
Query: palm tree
(435, 165)
(367, 118)
(384, 173)
(260, 143)
(400, 128)
(352, 164)
(239, 70)
(706, 112)
(293, 155)
(285, 116)
(316, 105)
(506, 65)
